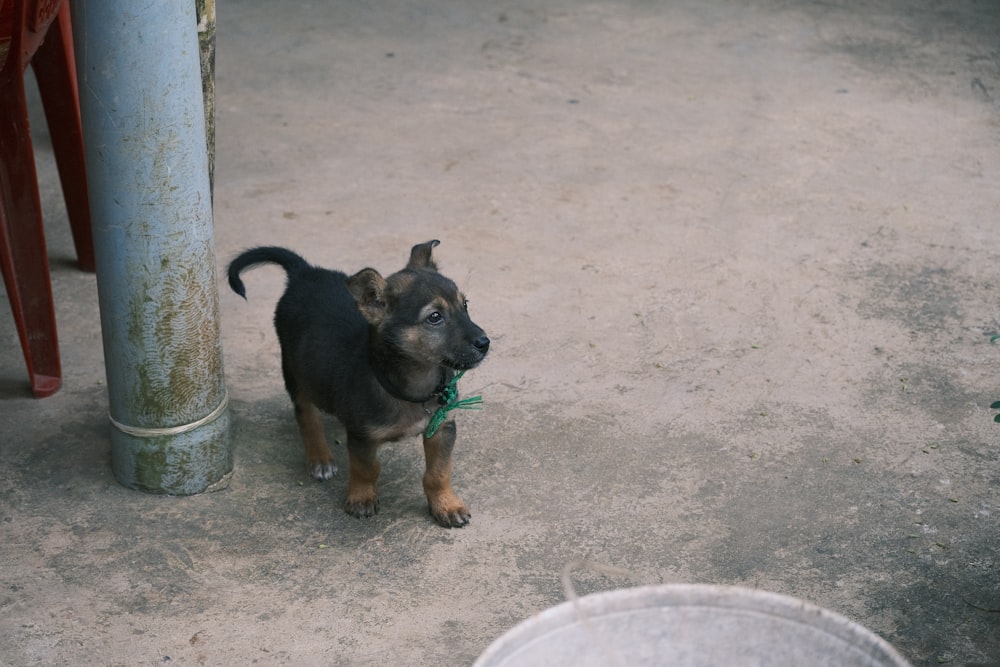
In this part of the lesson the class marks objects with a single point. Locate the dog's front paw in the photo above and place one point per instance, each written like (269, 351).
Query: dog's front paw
(363, 507)
(449, 511)
(324, 471)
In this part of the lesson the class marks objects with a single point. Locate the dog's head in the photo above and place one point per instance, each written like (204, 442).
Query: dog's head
(420, 313)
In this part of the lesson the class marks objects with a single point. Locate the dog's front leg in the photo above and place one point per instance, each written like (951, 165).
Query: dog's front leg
(362, 498)
(446, 508)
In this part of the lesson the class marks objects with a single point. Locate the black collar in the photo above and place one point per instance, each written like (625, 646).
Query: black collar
(394, 391)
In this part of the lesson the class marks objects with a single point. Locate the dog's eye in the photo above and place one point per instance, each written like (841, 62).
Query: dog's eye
(435, 318)
(465, 305)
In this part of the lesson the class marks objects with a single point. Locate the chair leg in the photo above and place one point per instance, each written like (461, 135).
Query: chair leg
(23, 260)
(55, 70)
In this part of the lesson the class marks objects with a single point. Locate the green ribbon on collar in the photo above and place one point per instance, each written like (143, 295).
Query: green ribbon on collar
(449, 401)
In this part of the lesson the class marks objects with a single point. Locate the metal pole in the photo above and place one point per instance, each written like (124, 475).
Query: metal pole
(144, 135)
(206, 39)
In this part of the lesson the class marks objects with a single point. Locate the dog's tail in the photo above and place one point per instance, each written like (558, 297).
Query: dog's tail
(288, 260)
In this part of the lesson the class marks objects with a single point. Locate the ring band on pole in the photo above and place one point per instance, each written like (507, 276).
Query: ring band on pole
(143, 432)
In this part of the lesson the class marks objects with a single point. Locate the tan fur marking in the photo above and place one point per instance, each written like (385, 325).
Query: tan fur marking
(318, 453)
(401, 282)
(362, 496)
(446, 507)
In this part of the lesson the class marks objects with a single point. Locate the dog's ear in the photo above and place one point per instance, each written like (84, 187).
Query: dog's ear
(367, 286)
(420, 256)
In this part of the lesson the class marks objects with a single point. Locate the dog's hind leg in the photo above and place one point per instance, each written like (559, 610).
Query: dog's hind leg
(362, 497)
(318, 454)
(310, 421)
(446, 508)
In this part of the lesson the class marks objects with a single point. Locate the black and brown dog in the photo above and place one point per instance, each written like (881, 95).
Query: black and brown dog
(377, 353)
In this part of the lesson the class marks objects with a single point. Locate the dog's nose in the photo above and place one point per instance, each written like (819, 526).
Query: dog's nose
(482, 343)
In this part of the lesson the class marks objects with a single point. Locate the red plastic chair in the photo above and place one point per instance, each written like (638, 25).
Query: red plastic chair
(38, 32)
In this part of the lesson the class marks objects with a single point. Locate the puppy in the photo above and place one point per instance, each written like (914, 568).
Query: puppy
(379, 354)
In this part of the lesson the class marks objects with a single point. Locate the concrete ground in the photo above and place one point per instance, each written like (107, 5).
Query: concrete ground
(739, 264)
